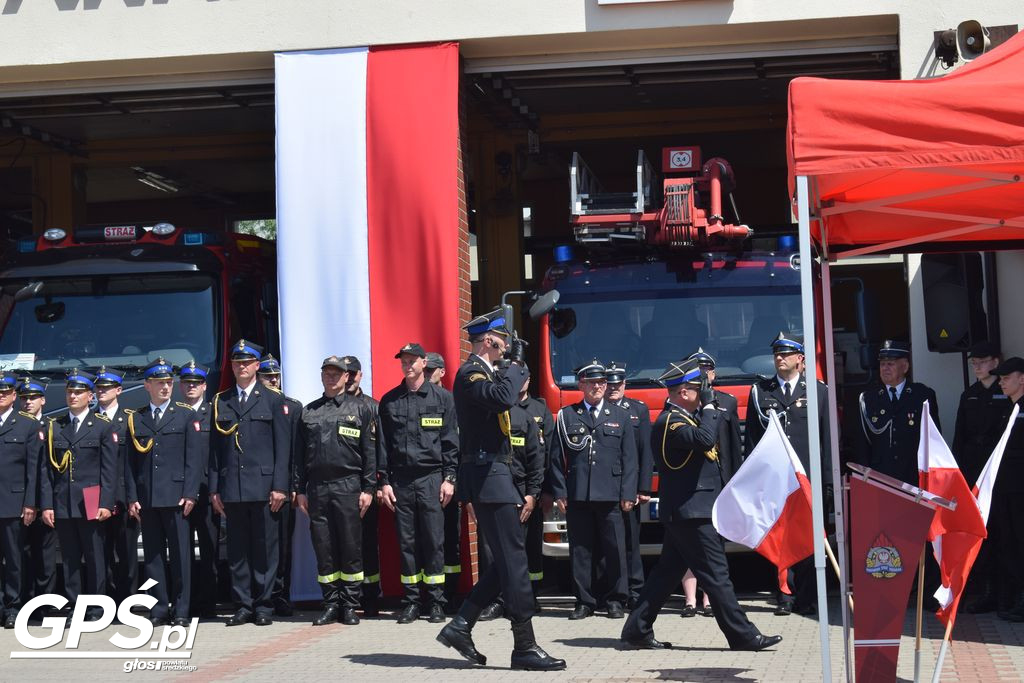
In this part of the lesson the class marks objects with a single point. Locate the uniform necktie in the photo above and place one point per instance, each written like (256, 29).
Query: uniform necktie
(596, 412)
(785, 391)
(241, 399)
(74, 425)
(892, 394)
(156, 416)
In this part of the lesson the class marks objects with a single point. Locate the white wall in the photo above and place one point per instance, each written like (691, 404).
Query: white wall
(1010, 275)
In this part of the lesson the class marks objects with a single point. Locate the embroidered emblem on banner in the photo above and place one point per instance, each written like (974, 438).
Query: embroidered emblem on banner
(883, 560)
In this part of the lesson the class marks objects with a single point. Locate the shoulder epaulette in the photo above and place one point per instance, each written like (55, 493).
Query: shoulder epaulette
(183, 405)
(222, 393)
(274, 389)
(102, 416)
(29, 415)
(476, 376)
(128, 411)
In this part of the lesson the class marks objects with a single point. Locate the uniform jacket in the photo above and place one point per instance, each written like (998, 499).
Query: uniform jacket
(640, 419)
(204, 416)
(891, 432)
(21, 448)
(119, 421)
(596, 459)
(164, 460)
(78, 460)
(335, 442)
(374, 405)
(250, 445)
(537, 409)
(689, 481)
(767, 395)
(1010, 478)
(295, 414)
(980, 419)
(527, 464)
(482, 399)
(417, 430)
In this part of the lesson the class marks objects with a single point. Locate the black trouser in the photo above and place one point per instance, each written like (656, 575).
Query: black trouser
(535, 547)
(282, 592)
(634, 560)
(205, 524)
(371, 553)
(507, 573)
(592, 524)
(121, 546)
(692, 543)
(252, 554)
(12, 553)
(419, 521)
(803, 584)
(452, 549)
(81, 547)
(40, 576)
(165, 532)
(335, 529)
(1008, 542)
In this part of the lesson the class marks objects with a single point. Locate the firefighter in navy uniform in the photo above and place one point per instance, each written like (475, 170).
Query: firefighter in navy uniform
(640, 418)
(538, 411)
(203, 521)
(684, 439)
(269, 375)
(249, 482)
(594, 469)
(336, 476)
(891, 416)
(163, 473)
(40, 575)
(980, 419)
(483, 397)
(21, 451)
(370, 522)
(122, 535)
(81, 450)
(527, 467)
(786, 395)
(417, 457)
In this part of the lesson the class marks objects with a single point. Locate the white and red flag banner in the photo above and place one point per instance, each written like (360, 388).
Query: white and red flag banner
(766, 505)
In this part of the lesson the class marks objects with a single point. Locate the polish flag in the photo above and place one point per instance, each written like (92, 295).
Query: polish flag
(766, 506)
(957, 549)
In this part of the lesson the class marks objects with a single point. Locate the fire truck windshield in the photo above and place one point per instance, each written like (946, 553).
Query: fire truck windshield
(126, 321)
(649, 314)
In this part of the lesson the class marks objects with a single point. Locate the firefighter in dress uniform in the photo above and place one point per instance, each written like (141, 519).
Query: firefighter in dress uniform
(371, 520)
(685, 441)
(640, 419)
(40, 575)
(786, 395)
(203, 521)
(336, 477)
(418, 456)
(21, 450)
(163, 471)
(249, 482)
(122, 536)
(594, 470)
(483, 397)
(81, 451)
(269, 375)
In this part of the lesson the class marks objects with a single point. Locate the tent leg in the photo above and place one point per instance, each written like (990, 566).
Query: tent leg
(813, 435)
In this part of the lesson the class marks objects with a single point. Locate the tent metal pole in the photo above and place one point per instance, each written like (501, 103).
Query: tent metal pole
(813, 435)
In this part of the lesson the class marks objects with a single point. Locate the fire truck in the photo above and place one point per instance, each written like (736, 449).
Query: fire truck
(124, 295)
(655, 273)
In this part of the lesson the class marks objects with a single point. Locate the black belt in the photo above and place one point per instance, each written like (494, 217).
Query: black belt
(485, 458)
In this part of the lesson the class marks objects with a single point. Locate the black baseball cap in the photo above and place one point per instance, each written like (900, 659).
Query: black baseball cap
(984, 349)
(413, 348)
(1012, 364)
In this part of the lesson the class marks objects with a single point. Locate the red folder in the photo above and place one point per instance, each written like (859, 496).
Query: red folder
(91, 495)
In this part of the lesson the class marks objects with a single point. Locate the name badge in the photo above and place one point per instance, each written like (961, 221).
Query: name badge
(430, 421)
(518, 440)
(348, 431)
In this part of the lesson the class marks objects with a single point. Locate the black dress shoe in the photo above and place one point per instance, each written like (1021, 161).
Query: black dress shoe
(615, 610)
(263, 619)
(409, 614)
(329, 615)
(648, 642)
(349, 616)
(688, 611)
(759, 642)
(9, 620)
(492, 611)
(784, 609)
(436, 614)
(804, 609)
(242, 616)
(706, 611)
(581, 612)
(158, 621)
(456, 634)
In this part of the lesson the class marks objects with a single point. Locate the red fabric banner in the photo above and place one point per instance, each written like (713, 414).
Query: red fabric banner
(888, 533)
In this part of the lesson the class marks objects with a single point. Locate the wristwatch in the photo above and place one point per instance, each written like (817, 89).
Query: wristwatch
(450, 479)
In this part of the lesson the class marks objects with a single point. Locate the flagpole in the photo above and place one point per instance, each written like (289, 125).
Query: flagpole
(920, 609)
(835, 567)
(942, 652)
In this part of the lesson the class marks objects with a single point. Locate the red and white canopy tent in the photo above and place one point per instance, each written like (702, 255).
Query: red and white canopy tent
(877, 166)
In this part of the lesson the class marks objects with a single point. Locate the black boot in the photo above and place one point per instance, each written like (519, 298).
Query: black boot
(457, 633)
(527, 655)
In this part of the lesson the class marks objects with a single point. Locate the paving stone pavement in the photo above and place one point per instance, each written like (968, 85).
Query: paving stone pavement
(986, 649)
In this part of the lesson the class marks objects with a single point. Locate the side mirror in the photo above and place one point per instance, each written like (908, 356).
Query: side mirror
(544, 304)
(29, 291)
